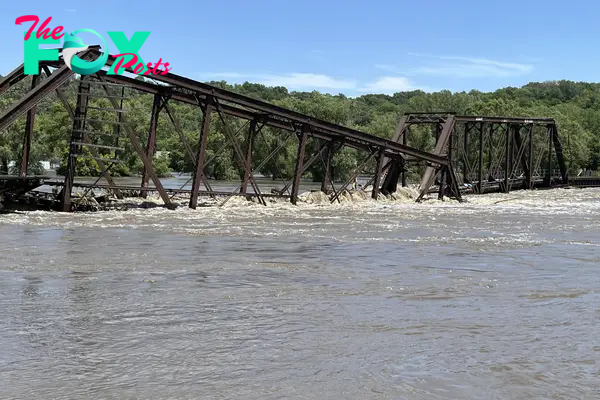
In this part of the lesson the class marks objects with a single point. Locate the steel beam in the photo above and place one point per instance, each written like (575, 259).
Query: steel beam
(358, 142)
(151, 144)
(294, 117)
(379, 170)
(177, 125)
(560, 157)
(74, 147)
(430, 118)
(63, 99)
(480, 172)
(33, 97)
(507, 160)
(237, 150)
(306, 165)
(468, 127)
(530, 163)
(133, 137)
(299, 160)
(403, 162)
(13, 77)
(518, 148)
(248, 161)
(396, 167)
(327, 180)
(258, 168)
(503, 120)
(353, 176)
(431, 171)
(188, 149)
(550, 129)
(443, 182)
(200, 155)
(313, 123)
(29, 123)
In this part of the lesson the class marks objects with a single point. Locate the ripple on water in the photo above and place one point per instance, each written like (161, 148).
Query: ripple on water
(494, 298)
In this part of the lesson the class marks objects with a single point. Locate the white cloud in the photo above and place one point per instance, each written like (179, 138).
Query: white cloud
(388, 85)
(470, 67)
(321, 82)
(388, 68)
(224, 75)
(307, 81)
(301, 81)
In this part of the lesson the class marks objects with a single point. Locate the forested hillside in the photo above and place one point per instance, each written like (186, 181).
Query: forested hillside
(574, 105)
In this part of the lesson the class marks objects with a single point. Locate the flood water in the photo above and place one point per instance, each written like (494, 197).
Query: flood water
(489, 299)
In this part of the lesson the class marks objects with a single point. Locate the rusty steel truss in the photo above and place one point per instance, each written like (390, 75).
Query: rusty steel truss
(317, 140)
(489, 153)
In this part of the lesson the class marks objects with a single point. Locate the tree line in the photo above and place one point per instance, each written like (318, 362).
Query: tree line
(574, 105)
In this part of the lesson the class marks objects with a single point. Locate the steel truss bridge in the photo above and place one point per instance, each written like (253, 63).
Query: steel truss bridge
(474, 153)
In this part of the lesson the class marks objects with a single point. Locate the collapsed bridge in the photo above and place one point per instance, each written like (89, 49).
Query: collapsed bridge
(452, 165)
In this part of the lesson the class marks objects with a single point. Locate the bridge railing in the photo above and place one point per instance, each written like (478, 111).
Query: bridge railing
(587, 172)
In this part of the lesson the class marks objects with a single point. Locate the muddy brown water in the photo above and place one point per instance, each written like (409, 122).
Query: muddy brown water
(483, 300)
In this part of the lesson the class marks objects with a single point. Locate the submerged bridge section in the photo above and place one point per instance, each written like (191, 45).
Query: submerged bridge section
(489, 154)
(467, 150)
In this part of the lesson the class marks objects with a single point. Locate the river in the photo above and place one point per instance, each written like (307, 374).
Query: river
(496, 298)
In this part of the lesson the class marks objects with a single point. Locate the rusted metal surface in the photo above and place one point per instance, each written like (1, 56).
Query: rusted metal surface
(151, 144)
(133, 137)
(492, 153)
(200, 155)
(307, 164)
(239, 155)
(442, 140)
(248, 162)
(353, 176)
(75, 149)
(28, 131)
(186, 145)
(201, 92)
(378, 172)
(13, 77)
(34, 96)
(63, 99)
(19, 184)
(327, 163)
(302, 137)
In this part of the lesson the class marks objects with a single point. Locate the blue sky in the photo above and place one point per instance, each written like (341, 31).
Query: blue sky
(351, 47)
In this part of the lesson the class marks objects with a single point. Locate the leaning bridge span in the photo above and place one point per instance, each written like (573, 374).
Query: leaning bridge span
(477, 154)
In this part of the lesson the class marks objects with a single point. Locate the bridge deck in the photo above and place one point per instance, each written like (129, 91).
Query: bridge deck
(17, 185)
(585, 181)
